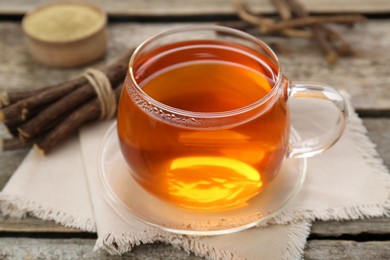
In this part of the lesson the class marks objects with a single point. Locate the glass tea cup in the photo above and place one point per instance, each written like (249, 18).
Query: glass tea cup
(203, 118)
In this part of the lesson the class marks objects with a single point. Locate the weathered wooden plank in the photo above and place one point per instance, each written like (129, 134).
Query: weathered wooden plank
(34, 225)
(25, 248)
(351, 250)
(379, 133)
(204, 7)
(9, 161)
(376, 226)
(365, 77)
(69, 249)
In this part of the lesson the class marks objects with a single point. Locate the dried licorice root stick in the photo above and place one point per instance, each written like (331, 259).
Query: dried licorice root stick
(246, 15)
(87, 113)
(10, 97)
(283, 9)
(22, 108)
(265, 23)
(285, 13)
(11, 125)
(44, 130)
(36, 125)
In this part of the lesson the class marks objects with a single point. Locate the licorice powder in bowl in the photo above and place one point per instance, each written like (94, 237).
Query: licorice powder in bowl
(66, 34)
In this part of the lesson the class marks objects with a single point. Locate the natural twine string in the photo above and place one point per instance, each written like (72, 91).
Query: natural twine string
(104, 92)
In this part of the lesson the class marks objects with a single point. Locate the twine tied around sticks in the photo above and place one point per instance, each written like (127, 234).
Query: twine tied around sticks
(102, 86)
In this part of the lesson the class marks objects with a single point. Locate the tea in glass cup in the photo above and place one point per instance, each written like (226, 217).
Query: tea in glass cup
(203, 120)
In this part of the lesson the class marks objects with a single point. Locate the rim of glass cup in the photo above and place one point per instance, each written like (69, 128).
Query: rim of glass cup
(193, 28)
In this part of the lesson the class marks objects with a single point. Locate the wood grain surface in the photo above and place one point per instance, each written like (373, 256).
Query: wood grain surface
(145, 8)
(69, 249)
(76, 248)
(366, 77)
(351, 250)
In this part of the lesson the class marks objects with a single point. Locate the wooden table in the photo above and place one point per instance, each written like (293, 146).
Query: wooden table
(366, 77)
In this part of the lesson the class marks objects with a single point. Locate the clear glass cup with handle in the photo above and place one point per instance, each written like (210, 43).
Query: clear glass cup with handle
(203, 119)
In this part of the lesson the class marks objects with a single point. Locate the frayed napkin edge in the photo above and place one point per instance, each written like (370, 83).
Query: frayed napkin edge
(17, 207)
(297, 238)
(118, 244)
(197, 247)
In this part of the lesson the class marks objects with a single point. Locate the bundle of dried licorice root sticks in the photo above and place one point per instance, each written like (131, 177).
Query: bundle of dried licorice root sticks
(295, 21)
(46, 116)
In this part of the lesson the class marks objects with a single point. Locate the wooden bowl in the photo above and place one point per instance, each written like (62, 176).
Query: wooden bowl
(63, 43)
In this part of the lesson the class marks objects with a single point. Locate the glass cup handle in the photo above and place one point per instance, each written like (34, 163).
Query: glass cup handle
(316, 145)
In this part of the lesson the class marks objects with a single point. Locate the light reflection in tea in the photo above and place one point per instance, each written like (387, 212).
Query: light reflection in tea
(212, 182)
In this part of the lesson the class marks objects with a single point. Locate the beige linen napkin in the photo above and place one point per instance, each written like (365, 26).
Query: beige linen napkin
(346, 182)
(52, 187)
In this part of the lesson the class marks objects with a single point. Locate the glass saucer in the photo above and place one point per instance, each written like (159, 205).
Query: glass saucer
(128, 198)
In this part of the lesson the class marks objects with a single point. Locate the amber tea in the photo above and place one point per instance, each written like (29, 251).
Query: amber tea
(203, 168)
